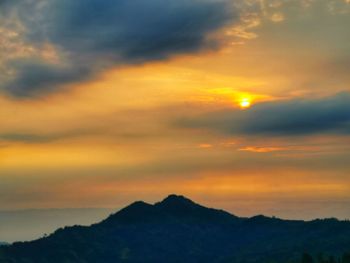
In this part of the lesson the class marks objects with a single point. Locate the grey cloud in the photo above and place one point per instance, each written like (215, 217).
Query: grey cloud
(93, 34)
(5, 4)
(282, 118)
(34, 77)
(44, 138)
(31, 137)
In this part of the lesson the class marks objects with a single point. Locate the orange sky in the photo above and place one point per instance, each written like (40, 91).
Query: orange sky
(198, 123)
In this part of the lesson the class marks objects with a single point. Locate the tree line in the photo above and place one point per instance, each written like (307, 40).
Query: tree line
(320, 258)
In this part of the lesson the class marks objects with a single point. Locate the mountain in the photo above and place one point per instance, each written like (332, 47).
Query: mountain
(179, 230)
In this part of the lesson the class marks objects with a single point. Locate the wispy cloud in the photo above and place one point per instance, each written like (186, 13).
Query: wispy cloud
(261, 149)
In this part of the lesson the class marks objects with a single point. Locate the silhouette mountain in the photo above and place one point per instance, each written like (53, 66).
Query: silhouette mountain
(179, 230)
(172, 208)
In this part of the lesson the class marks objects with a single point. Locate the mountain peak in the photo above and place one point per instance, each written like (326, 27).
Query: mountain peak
(173, 207)
(176, 200)
(178, 204)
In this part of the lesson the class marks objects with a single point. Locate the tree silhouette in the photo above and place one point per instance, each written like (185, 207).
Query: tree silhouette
(332, 259)
(307, 258)
(346, 258)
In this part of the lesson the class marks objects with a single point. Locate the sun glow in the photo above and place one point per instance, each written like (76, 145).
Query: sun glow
(245, 103)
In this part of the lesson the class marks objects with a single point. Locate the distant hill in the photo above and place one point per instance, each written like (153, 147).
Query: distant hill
(179, 230)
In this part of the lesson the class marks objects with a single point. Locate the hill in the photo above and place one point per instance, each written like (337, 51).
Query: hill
(179, 230)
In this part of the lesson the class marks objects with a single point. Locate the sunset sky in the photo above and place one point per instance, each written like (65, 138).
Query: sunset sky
(241, 105)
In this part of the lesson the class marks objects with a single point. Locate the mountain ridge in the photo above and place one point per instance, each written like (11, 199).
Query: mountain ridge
(173, 206)
(177, 229)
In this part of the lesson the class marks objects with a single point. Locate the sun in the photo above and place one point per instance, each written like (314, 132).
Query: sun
(245, 103)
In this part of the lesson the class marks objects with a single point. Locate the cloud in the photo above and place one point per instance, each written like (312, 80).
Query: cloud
(35, 76)
(262, 149)
(22, 137)
(91, 35)
(44, 138)
(297, 117)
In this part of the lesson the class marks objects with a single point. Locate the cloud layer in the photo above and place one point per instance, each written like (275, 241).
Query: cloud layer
(282, 118)
(91, 35)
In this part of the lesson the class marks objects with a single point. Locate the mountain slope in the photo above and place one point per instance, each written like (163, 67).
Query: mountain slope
(179, 230)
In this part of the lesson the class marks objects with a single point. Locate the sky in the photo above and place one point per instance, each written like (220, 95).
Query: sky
(241, 105)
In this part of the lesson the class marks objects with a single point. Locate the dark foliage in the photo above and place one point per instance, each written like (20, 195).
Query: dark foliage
(321, 258)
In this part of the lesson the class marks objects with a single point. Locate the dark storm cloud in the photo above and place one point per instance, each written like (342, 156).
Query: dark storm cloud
(4, 4)
(35, 76)
(94, 34)
(133, 30)
(284, 118)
